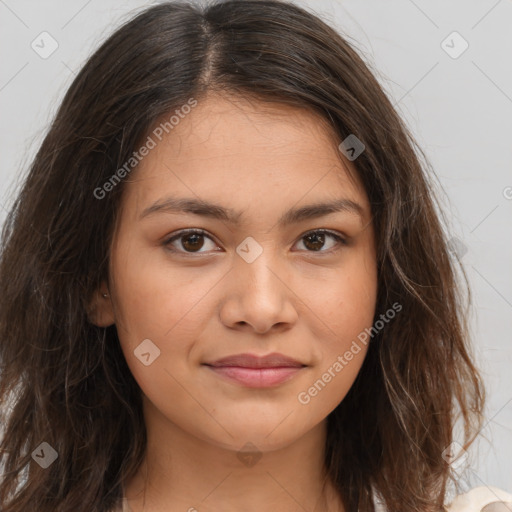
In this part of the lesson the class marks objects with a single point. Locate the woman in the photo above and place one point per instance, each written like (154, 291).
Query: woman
(226, 284)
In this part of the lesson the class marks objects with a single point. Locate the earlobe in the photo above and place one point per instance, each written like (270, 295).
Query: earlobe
(100, 311)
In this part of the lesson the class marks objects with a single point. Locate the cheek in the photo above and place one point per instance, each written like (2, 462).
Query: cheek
(347, 310)
(347, 306)
(157, 299)
(168, 306)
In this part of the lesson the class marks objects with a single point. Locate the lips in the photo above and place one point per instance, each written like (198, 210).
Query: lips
(273, 360)
(252, 371)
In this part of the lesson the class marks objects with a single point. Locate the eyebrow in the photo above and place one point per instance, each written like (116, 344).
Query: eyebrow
(215, 211)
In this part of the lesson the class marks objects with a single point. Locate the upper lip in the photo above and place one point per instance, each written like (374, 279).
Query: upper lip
(274, 360)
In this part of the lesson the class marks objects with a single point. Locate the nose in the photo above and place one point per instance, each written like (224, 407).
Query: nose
(259, 297)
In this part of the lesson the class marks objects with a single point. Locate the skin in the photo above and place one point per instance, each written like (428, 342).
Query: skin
(309, 305)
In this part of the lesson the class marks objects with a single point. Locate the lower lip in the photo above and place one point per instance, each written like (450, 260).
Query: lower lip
(256, 377)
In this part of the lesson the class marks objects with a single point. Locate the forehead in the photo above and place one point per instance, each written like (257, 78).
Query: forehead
(231, 149)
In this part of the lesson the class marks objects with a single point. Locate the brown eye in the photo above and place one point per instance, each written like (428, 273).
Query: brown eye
(314, 241)
(190, 241)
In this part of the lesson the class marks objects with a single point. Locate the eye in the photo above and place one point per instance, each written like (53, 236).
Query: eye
(192, 240)
(315, 240)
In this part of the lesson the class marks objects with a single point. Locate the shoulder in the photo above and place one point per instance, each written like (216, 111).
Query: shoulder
(478, 499)
(482, 499)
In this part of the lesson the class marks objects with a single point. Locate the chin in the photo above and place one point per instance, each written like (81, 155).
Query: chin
(265, 436)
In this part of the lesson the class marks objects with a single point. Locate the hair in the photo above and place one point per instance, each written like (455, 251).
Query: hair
(65, 381)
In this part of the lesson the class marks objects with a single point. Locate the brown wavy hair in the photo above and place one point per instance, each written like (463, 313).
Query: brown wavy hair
(65, 381)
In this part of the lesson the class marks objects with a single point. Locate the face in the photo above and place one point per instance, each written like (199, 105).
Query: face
(258, 274)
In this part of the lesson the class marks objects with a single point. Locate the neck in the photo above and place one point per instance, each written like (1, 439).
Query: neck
(181, 472)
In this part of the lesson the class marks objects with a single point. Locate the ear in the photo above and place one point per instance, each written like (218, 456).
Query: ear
(99, 310)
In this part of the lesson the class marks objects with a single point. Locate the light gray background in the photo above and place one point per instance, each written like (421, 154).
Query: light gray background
(459, 110)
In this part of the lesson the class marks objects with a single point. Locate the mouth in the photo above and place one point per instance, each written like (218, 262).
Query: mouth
(255, 371)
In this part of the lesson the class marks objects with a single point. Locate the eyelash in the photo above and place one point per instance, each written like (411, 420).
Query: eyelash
(167, 242)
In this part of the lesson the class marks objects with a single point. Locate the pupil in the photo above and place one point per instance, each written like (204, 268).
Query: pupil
(318, 240)
(194, 245)
(195, 241)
